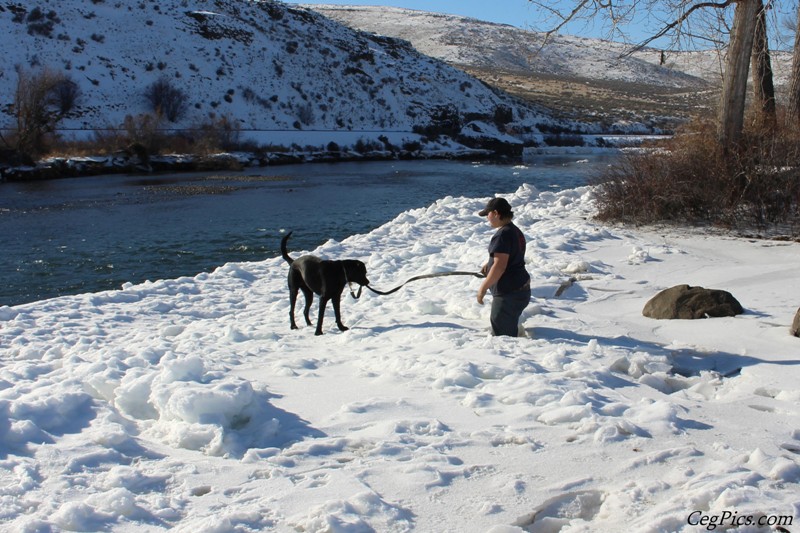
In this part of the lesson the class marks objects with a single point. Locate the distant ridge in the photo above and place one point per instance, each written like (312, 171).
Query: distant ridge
(574, 77)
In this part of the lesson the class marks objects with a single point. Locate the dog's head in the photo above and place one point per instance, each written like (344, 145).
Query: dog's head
(356, 271)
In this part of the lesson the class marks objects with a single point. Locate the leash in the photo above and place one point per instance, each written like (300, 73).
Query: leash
(425, 276)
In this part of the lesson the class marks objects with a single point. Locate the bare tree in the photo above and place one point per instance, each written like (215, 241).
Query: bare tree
(65, 94)
(166, 99)
(670, 19)
(674, 19)
(763, 84)
(730, 124)
(41, 100)
(793, 111)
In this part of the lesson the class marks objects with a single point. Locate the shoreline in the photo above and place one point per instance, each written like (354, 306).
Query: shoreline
(131, 162)
(73, 167)
(198, 254)
(120, 163)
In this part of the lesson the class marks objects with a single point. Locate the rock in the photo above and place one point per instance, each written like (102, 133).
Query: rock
(685, 302)
(795, 330)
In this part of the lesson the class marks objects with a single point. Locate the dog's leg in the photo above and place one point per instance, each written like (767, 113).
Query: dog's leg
(292, 301)
(309, 298)
(337, 313)
(323, 301)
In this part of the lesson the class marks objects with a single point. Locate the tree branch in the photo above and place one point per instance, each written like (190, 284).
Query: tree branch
(671, 26)
(564, 19)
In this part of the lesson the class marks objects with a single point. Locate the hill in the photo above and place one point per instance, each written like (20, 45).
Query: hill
(388, 81)
(284, 75)
(574, 77)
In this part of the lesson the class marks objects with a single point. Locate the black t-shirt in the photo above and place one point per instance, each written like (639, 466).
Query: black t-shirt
(509, 240)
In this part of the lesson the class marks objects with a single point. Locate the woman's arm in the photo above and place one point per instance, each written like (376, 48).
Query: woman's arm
(493, 276)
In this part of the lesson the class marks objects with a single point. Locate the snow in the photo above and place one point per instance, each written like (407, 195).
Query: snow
(189, 405)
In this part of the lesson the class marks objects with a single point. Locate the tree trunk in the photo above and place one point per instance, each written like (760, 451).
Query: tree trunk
(793, 112)
(734, 89)
(763, 86)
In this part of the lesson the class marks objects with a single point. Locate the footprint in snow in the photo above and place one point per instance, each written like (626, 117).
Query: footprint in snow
(558, 512)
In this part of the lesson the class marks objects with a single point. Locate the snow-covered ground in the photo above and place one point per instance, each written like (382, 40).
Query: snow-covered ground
(190, 405)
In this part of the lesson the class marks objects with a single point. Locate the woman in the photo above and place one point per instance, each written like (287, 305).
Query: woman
(506, 277)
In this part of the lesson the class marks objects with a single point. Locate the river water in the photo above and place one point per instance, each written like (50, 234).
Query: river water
(90, 234)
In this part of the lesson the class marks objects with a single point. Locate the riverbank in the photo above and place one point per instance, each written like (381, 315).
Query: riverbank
(94, 233)
(273, 148)
(136, 162)
(123, 163)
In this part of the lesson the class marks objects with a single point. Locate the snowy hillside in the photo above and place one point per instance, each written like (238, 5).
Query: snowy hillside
(269, 66)
(462, 41)
(571, 76)
(471, 42)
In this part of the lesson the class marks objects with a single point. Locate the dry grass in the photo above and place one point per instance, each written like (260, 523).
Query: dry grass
(604, 101)
(692, 180)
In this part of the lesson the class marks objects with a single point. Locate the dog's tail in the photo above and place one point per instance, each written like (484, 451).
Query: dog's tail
(284, 250)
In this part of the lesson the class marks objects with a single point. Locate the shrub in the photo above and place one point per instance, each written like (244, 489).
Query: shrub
(166, 99)
(305, 113)
(41, 24)
(215, 135)
(144, 130)
(412, 146)
(503, 114)
(35, 14)
(365, 146)
(42, 100)
(65, 94)
(445, 120)
(18, 13)
(692, 180)
(274, 11)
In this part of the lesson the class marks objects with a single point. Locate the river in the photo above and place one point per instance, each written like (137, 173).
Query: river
(90, 234)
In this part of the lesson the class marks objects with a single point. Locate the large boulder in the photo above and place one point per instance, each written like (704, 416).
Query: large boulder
(683, 301)
(795, 330)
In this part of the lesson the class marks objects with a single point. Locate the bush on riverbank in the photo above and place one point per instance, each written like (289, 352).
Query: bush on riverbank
(142, 136)
(691, 180)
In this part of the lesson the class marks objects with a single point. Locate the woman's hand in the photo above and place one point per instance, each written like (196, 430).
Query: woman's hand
(498, 268)
(481, 294)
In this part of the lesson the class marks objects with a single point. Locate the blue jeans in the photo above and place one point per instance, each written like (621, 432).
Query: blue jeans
(506, 310)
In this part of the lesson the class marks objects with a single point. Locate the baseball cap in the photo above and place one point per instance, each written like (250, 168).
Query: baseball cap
(500, 205)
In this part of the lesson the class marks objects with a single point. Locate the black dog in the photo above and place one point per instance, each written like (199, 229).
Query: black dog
(311, 274)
